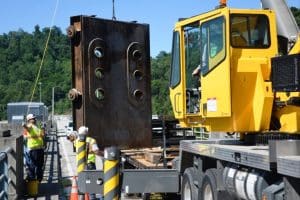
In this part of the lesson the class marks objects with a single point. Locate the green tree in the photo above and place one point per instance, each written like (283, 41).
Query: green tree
(160, 69)
(296, 13)
(20, 58)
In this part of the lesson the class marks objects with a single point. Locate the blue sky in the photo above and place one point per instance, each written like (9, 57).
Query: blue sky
(161, 15)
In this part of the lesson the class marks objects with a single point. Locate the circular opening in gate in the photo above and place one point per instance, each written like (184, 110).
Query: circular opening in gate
(138, 94)
(99, 93)
(99, 73)
(98, 52)
(137, 54)
(138, 75)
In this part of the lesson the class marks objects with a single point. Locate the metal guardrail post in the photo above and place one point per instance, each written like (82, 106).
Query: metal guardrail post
(81, 156)
(4, 179)
(111, 173)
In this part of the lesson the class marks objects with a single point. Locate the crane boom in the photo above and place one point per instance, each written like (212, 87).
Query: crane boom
(286, 23)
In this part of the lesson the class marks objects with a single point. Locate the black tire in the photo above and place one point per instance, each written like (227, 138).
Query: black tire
(146, 196)
(209, 185)
(189, 190)
(171, 196)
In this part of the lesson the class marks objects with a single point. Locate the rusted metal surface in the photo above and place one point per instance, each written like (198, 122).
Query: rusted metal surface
(111, 72)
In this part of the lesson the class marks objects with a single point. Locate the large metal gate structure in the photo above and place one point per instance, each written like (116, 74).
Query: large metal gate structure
(111, 80)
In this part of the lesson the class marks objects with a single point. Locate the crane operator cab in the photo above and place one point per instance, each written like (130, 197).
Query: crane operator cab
(232, 49)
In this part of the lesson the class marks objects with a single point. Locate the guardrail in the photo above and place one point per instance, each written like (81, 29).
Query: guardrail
(4, 167)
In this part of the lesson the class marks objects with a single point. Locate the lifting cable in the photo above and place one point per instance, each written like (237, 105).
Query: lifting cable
(44, 53)
(113, 10)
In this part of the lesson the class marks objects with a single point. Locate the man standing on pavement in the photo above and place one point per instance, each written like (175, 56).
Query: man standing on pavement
(35, 146)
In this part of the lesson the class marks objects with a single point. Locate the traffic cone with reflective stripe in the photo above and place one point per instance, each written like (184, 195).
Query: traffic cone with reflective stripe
(86, 196)
(74, 190)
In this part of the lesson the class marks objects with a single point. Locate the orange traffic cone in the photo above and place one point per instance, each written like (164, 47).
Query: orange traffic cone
(86, 196)
(74, 190)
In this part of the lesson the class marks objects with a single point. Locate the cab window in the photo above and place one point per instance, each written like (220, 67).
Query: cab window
(249, 31)
(213, 49)
(192, 53)
(175, 65)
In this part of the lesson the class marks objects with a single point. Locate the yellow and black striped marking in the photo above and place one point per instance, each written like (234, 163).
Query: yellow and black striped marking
(81, 155)
(111, 179)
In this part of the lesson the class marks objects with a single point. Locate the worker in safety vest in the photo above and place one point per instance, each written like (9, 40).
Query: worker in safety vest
(35, 147)
(91, 146)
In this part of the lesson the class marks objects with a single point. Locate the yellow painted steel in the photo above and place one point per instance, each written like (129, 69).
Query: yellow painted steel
(109, 165)
(111, 179)
(111, 184)
(81, 155)
(239, 88)
(289, 116)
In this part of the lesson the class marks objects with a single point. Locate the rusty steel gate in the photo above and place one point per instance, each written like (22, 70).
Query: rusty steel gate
(111, 80)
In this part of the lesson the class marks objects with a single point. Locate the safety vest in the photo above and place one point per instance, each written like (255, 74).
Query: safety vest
(34, 138)
(91, 156)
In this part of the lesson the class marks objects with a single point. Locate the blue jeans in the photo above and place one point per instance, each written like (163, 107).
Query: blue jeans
(35, 165)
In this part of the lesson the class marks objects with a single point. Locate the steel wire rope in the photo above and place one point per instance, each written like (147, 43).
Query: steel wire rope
(43, 57)
(113, 10)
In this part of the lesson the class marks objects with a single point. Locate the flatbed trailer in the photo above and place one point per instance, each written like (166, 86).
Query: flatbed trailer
(242, 171)
(229, 168)
(150, 158)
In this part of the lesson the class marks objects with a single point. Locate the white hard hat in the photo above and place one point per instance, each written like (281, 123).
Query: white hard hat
(29, 117)
(83, 130)
(73, 133)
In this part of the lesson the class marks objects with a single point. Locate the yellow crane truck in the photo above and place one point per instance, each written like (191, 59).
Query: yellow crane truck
(248, 63)
(233, 71)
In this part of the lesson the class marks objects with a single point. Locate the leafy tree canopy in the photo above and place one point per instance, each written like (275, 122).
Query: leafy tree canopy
(20, 57)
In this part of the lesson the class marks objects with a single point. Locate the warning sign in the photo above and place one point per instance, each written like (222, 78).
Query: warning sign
(212, 105)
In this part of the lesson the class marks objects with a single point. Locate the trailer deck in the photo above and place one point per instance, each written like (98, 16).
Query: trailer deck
(287, 157)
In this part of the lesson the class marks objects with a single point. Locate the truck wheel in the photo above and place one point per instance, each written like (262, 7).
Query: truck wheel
(188, 190)
(209, 185)
(171, 196)
(146, 196)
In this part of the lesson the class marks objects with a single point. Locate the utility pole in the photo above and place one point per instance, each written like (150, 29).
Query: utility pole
(40, 83)
(52, 115)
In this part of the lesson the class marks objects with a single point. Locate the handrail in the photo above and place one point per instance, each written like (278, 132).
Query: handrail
(4, 167)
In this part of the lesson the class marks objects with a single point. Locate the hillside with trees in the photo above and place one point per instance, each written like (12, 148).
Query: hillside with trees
(20, 58)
